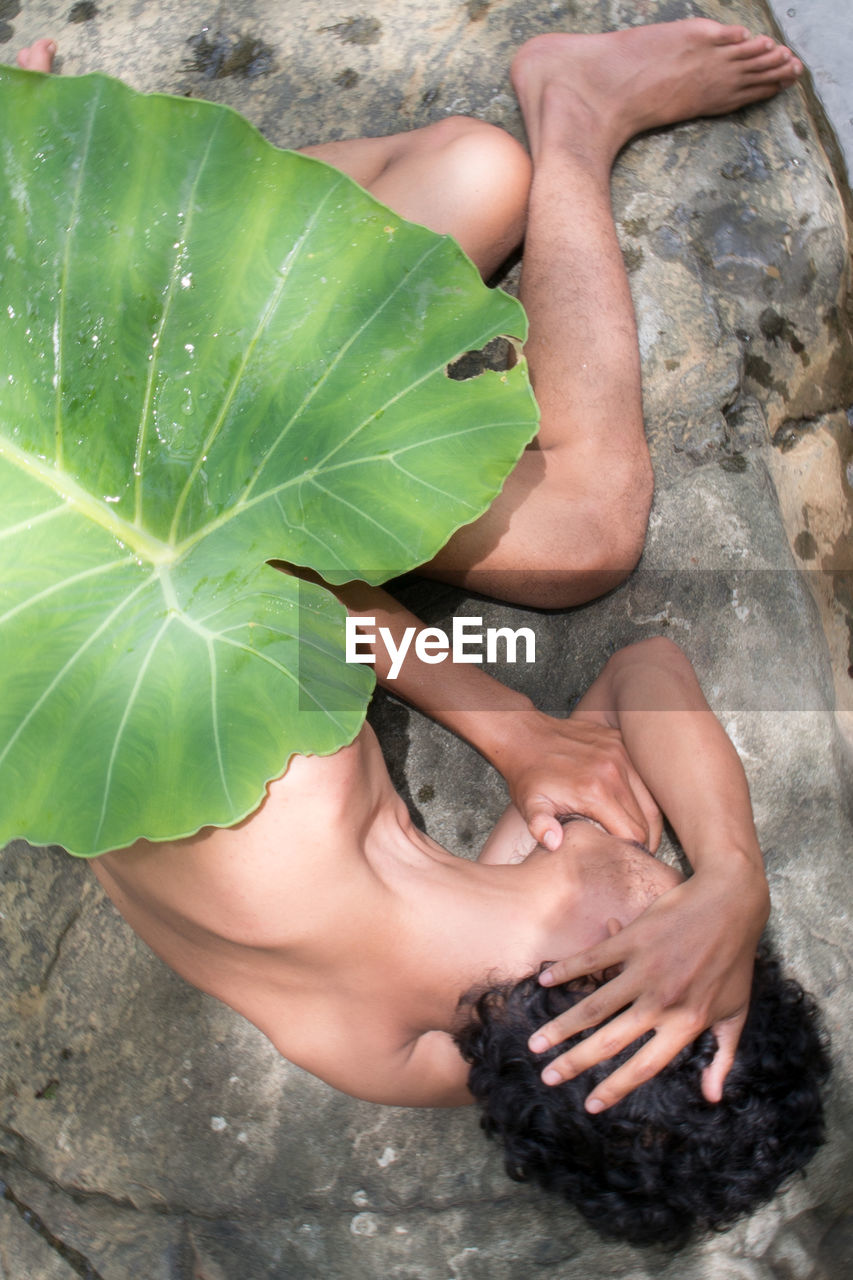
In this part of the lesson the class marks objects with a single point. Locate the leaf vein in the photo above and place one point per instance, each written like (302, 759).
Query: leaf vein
(119, 734)
(177, 269)
(327, 372)
(434, 488)
(214, 715)
(344, 502)
(59, 319)
(475, 344)
(24, 526)
(265, 657)
(265, 317)
(61, 586)
(67, 666)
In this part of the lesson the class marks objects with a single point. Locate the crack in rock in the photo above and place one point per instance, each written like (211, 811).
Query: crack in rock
(76, 1260)
(57, 950)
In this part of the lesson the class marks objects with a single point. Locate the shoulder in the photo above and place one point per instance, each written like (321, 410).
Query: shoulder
(510, 840)
(432, 1072)
(426, 1071)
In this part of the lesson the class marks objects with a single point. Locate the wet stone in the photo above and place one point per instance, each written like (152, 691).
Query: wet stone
(8, 9)
(85, 11)
(361, 31)
(217, 55)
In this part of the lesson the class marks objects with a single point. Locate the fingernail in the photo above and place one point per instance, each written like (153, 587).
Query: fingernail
(594, 1106)
(550, 1076)
(546, 978)
(552, 840)
(538, 1044)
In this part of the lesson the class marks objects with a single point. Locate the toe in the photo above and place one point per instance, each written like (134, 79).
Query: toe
(777, 57)
(731, 35)
(38, 56)
(754, 47)
(790, 74)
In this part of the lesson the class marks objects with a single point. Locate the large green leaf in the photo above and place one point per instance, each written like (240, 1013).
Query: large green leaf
(214, 353)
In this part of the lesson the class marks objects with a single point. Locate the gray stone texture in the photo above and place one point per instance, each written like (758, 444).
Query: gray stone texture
(145, 1131)
(812, 29)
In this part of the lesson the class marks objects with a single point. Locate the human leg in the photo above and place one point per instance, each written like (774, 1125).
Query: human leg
(38, 56)
(570, 522)
(459, 176)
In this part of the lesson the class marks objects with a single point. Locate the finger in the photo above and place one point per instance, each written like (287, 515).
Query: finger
(605, 1043)
(604, 1008)
(604, 791)
(604, 955)
(649, 811)
(714, 1076)
(616, 807)
(544, 826)
(655, 832)
(654, 818)
(656, 1054)
(652, 815)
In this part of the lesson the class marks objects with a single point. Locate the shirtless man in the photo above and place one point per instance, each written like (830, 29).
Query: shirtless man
(326, 918)
(350, 941)
(359, 945)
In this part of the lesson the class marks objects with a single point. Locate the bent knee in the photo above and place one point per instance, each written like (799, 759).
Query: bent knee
(479, 183)
(489, 140)
(484, 156)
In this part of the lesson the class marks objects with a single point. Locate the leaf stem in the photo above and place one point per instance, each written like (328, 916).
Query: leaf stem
(137, 540)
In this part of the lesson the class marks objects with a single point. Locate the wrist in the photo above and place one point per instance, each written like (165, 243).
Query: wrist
(507, 731)
(723, 839)
(739, 876)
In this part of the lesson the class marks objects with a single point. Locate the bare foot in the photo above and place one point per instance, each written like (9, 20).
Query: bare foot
(38, 56)
(600, 90)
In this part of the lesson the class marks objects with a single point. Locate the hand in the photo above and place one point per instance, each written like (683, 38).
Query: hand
(554, 767)
(684, 965)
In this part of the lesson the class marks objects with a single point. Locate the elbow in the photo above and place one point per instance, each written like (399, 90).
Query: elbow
(604, 536)
(659, 649)
(592, 564)
(652, 652)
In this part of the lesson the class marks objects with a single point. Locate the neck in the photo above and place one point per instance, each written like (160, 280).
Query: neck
(461, 924)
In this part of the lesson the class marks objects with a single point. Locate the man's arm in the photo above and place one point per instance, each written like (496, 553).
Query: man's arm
(551, 766)
(686, 962)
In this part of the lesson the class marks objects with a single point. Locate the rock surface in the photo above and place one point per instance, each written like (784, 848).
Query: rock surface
(147, 1131)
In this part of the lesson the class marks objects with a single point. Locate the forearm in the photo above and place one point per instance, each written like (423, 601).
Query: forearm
(550, 766)
(651, 694)
(461, 696)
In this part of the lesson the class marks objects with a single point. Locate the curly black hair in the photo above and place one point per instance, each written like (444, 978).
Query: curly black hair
(663, 1164)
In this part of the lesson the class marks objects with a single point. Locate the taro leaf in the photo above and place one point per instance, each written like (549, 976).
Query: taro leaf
(214, 353)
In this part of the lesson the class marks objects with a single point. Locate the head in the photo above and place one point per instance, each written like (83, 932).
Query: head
(663, 1163)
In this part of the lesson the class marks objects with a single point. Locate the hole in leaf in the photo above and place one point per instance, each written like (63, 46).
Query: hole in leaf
(499, 354)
